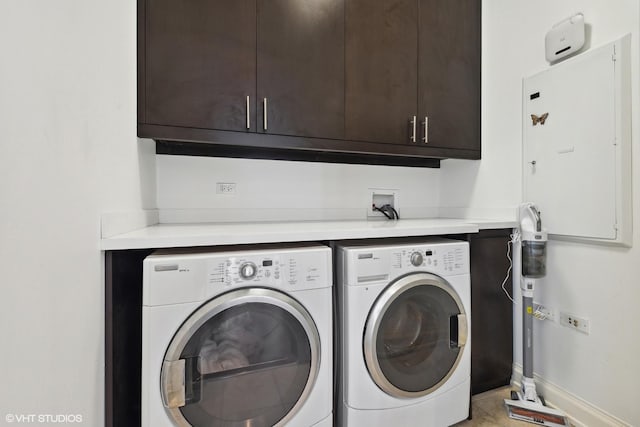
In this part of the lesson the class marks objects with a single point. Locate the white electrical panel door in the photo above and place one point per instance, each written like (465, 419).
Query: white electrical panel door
(576, 132)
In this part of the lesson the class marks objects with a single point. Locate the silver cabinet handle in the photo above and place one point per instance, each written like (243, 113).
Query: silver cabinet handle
(248, 114)
(413, 124)
(425, 138)
(264, 107)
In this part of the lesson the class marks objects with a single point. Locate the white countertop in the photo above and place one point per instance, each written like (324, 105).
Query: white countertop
(185, 235)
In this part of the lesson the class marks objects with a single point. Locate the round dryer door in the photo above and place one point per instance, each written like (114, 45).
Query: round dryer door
(247, 357)
(414, 335)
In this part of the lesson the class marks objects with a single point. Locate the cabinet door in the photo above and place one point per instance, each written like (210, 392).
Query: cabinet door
(301, 67)
(449, 73)
(381, 69)
(200, 63)
(492, 320)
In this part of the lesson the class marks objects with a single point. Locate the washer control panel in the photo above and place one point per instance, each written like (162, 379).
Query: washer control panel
(383, 263)
(295, 270)
(440, 259)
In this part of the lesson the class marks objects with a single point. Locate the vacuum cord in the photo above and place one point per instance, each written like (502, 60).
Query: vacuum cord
(514, 238)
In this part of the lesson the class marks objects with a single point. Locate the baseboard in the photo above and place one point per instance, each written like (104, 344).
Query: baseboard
(580, 412)
(114, 223)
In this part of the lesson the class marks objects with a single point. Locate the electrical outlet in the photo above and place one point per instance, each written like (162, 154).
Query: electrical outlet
(580, 324)
(380, 197)
(225, 187)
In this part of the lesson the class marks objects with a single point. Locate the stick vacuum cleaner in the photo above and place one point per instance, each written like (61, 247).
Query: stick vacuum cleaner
(525, 404)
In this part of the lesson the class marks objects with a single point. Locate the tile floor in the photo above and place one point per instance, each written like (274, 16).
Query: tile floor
(488, 410)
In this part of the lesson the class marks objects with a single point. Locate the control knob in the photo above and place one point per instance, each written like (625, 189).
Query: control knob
(416, 259)
(248, 270)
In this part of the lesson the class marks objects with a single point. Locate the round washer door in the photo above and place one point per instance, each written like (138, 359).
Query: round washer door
(414, 335)
(247, 357)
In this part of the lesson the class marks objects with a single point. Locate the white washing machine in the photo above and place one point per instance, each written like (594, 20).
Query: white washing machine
(237, 337)
(404, 321)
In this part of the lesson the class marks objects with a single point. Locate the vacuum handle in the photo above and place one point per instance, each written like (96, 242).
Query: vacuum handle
(536, 216)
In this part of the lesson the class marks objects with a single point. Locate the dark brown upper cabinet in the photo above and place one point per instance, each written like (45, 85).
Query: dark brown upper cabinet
(413, 72)
(301, 68)
(381, 70)
(330, 80)
(449, 74)
(200, 64)
(271, 66)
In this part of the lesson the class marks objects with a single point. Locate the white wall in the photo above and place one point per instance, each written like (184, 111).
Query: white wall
(69, 152)
(268, 190)
(597, 282)
(69, 155)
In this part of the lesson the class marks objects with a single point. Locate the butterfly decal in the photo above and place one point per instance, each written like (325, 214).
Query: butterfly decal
(540, 119)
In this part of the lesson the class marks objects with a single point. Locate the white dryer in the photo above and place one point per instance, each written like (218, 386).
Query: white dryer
(404, 320)
(237, 337)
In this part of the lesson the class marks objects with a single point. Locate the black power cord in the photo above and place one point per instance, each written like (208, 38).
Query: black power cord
(384, 212)
(388, 211)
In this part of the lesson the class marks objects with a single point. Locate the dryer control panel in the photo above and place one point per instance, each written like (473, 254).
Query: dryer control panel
(384, 263)
(195, 276)
(286, 270)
